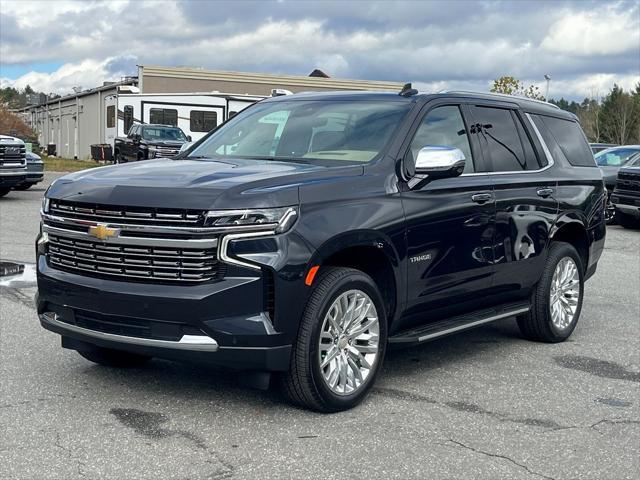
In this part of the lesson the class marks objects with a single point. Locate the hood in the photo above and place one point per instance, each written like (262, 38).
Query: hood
(195, 184)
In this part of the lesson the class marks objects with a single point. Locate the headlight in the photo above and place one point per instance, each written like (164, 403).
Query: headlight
(45, 205)
(277, 219)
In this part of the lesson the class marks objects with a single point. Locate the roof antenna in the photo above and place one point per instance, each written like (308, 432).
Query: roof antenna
(407, 91)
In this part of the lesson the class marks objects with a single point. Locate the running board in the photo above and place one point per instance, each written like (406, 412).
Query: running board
(457, 324)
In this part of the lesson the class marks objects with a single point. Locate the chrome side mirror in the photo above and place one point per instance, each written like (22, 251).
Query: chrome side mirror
(438, 161)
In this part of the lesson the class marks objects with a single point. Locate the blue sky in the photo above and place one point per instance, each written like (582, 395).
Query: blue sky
(586, 46)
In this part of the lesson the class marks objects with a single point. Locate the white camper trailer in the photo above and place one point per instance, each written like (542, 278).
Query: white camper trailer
(195, 113)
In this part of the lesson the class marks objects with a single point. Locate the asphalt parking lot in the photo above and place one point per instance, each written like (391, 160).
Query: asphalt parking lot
(484, 404)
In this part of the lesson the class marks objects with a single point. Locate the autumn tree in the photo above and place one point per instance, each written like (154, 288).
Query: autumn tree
(14, 125)
(512, 86)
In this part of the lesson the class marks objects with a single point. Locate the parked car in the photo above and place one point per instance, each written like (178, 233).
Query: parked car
(35, 171)
(598, 147)
(149, 141)
(610, 161)
(13, 165)
(312, 231)
(626, 195)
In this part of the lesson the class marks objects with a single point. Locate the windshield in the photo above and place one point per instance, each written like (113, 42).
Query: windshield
(318, 132)
(615, 157)
(163, 133)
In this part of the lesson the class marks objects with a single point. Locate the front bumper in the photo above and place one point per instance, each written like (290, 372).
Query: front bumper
(35, 173)
(11, 178)
(629, 204)
(221, 323)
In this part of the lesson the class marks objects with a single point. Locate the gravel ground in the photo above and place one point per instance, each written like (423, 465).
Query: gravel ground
(484, 404)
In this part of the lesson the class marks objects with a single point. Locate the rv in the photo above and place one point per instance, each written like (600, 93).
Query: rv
(195, 113)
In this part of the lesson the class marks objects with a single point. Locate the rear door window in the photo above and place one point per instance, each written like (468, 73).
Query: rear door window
(505, 140)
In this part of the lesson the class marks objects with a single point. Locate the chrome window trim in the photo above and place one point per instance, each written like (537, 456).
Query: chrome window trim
(545, 149)
(199, 343)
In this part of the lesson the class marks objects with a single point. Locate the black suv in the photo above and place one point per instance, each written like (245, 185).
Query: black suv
(311, 232)
(626, 195)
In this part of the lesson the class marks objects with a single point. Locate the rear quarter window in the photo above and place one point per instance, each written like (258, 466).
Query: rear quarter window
(568, 137)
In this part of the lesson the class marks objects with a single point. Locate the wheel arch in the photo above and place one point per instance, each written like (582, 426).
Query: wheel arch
(571, 229)
(371, 253)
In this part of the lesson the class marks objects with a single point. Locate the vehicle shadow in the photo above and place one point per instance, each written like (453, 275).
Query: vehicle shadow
(198, 383)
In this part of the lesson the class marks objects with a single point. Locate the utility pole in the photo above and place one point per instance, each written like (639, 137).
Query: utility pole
(547, 77)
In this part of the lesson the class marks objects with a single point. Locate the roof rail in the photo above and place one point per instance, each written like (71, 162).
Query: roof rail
(502, 95)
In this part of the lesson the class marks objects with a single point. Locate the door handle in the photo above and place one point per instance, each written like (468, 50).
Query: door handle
(544, 192)
(481, 197)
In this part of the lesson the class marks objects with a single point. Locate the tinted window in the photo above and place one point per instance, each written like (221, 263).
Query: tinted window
(163, 133)
(128, 117)
(571, 141)
(202, 121)
(615, 157)
(443, 126)
(504, 140)
(111, 116)
(163, 116)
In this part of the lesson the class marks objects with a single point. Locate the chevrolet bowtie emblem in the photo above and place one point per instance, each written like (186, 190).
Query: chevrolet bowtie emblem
(103, 232)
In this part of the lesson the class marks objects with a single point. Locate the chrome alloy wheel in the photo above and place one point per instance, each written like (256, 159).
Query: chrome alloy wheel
(565, 293)
(349, 342)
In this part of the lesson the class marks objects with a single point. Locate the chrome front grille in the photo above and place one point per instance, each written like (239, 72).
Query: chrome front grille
(166, 152)
(120, 214)
(12, 156)
(628, 181)
(130, 261)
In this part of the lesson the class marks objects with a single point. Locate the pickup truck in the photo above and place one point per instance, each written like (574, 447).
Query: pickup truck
(149, 141)
(13, 164)
(626, 195)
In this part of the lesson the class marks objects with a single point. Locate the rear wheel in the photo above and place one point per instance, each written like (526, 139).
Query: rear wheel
(4, 191)
(627, 221)
(341, 342)
(114, 358)
(118, 158)
(557, 299)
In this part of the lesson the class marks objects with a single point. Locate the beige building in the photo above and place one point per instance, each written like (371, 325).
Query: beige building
(153, 79)
(74, 122)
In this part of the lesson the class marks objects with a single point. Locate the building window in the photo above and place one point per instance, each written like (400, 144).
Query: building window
(111, 116)
(232, 114)
(163, 116)
(128, 117)
(202, 121)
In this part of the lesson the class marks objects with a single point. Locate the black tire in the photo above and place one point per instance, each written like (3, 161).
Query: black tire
(118, 158)
(4, 191)
(24, 186)
(303, 383)
(537, 324)
(114, 358)
(627, 221)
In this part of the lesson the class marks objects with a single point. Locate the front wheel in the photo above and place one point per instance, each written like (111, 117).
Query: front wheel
(556, 301)
(4, 191)
(341, 342)
(109, 357)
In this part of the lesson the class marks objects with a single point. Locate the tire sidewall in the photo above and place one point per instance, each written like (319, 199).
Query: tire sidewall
(563, 251)
(353, 281)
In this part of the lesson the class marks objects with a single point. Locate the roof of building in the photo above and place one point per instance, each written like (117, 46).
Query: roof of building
(84, 93)
(267, 78)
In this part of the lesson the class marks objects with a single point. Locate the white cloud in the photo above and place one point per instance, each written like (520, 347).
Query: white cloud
(448, 45)
(86, 74)
(598, 32)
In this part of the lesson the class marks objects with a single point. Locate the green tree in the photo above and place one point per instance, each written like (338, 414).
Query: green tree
(619, 116)
(512, 86)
